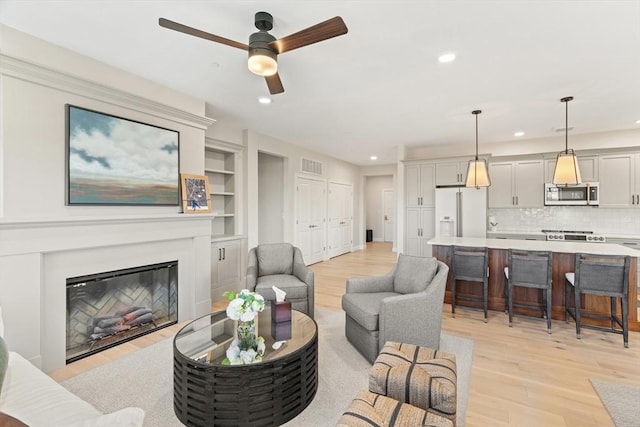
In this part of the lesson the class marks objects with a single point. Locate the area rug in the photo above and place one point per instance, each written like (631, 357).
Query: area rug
(145, 378)
(621, 401)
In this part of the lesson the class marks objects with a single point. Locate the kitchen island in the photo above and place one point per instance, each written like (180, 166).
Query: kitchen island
(563, 262)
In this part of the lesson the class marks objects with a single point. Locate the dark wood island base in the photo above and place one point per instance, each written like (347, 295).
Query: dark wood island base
(563, 262)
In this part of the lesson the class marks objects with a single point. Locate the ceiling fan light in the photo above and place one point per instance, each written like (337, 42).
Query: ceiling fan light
(477, 174)
(567, 171)
(262, 62)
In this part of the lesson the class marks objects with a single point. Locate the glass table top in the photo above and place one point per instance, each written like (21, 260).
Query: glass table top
(206, 339)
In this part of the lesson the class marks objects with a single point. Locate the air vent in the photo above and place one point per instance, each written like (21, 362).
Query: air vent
(311, 166)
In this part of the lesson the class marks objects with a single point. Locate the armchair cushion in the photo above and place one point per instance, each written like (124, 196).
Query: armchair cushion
(413, 274)
(364, 308)
(275, 258)
(294, 288)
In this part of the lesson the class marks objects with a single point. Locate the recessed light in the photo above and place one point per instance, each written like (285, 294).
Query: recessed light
(638, 122)
(446, 57)
(520, 133)
(373, 158)
(264, 100)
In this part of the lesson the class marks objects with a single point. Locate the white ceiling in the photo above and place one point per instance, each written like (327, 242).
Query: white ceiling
(380, 85)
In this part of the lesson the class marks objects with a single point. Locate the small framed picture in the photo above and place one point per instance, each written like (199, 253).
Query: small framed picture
(196, 196)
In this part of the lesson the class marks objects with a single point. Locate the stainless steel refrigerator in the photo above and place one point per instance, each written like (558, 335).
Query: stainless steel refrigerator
(461, 212)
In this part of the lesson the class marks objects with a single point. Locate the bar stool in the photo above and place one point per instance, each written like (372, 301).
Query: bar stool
(606, 275)
(529, 269)
(470, 264)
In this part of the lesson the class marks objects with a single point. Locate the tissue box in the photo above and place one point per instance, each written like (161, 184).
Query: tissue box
(280, 311)
(281, 331)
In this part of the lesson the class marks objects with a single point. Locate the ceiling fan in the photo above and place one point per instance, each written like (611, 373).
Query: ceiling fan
(263, 48)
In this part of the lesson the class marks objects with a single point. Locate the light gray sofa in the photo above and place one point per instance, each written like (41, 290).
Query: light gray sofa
(404, 305)
(281, 265)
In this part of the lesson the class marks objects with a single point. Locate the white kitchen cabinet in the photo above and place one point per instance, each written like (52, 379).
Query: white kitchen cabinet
(588, 168)
(516, 184)
(420, 187)
(451, 173)
(225, 267)
(620, 180)
(420, 228)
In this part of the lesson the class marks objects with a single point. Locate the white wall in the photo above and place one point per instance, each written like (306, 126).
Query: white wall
(333, 170)
(43, 241)
(270, 198)
(582, 142)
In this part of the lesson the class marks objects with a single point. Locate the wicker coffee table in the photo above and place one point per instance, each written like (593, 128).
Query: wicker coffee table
(268, 393)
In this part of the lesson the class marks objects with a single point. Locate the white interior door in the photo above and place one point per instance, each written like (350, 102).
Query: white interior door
(340, 218)
(388, 208)
(311, 219)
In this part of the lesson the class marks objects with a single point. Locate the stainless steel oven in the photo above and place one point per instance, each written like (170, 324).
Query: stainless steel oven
(585, 194)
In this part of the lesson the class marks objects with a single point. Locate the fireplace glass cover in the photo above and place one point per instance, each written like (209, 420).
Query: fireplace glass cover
(109, 308)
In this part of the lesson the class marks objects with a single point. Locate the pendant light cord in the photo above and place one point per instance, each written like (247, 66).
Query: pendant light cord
(475, 113)
(566, 122)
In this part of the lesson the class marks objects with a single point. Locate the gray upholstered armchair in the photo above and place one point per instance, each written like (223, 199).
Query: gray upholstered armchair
(281, 265)
(404, 305)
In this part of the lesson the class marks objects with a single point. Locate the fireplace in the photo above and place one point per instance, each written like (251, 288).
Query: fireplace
(109, 308)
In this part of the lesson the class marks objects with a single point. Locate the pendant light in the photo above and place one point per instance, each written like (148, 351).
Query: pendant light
(477, 173)
(567, 171)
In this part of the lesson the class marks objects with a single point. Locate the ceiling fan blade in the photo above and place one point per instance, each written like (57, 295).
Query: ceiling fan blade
(199, 33)
(325, 30)
(275, 84)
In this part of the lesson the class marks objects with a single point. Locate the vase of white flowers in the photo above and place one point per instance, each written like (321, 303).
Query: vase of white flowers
(247, 346)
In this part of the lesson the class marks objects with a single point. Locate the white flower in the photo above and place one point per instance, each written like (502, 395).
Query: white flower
(233, 352)
(248, 356)
(234, 309)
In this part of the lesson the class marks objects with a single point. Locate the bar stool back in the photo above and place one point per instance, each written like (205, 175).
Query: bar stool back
(470, 264)
(606, 275)
(530, 269)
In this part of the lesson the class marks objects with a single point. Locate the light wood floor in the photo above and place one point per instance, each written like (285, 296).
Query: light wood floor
(521, 376)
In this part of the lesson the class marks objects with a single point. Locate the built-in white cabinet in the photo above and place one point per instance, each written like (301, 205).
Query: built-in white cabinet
(420, 209)
(225, 267)
(222, 166)
(588, 165)
(420, 228)
(451, 173)
(420, 187)
(620, 180)
(516, 184)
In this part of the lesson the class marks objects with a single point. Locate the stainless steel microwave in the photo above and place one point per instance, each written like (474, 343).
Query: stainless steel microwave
(585, 194)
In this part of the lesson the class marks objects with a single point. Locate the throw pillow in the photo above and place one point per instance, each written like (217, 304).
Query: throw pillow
(4, 361)
(413, 274)
(7, 420)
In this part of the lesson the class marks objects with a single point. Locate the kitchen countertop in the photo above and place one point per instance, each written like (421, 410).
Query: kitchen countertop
(540, 233)
(537, 245)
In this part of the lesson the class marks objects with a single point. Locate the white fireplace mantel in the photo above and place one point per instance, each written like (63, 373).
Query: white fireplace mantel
(38, 255)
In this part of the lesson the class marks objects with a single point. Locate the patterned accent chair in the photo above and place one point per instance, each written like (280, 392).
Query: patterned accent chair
(281, 265)
(404, 305)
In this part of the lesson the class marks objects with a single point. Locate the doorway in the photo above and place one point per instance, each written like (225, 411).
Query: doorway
(388, 209)
(340, 218)
(311, 196)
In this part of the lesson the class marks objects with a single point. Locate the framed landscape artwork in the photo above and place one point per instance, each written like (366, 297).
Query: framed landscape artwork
(116, 161)
(195, 193)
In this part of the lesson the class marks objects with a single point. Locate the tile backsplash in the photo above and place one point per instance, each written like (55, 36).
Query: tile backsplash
(625, 222)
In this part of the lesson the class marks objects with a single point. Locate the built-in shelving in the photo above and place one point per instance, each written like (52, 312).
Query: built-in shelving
(221, 166)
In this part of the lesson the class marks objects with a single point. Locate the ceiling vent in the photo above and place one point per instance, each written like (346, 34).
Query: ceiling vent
(311, 166)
